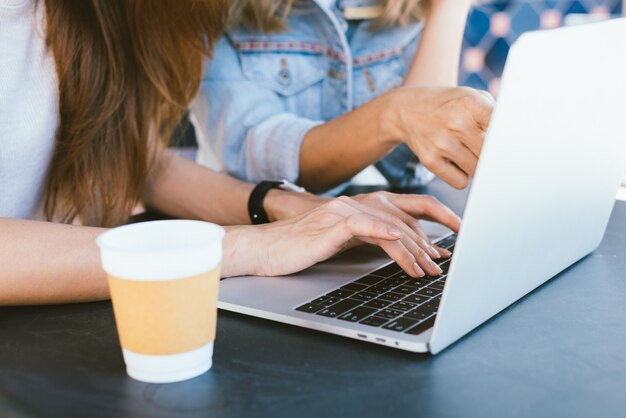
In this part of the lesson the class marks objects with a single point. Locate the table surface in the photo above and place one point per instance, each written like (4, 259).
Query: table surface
(560, 351)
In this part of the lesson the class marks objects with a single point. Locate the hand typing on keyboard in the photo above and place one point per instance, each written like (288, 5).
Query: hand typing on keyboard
(387, 220)
(387, 297)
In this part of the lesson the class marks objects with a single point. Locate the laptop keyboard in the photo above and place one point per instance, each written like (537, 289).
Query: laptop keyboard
(387, 298)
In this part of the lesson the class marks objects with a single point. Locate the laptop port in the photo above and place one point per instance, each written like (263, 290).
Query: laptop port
(381, 340)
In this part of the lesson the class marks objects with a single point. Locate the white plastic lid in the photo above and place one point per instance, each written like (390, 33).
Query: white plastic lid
(161, 250)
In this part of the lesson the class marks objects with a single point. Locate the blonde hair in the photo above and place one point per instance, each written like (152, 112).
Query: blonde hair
(270, 15)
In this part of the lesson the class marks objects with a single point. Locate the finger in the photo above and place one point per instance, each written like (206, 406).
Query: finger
(401, 255)
(444, 253)
(385, 199)
(402, 220)
(414, 231)
(473, 138)
(427, 207)
(450, 173)
(461, 155)
(421, 248)
(373, 230)
(421, 257)
(363, 225)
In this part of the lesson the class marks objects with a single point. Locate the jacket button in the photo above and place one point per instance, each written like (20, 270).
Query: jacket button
(284, 76)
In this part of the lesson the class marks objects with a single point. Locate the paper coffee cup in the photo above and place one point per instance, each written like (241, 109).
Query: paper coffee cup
(163, 278)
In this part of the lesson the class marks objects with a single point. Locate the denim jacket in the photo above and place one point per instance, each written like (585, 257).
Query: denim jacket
(262, 92)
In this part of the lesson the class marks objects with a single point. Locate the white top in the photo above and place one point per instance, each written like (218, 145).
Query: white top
(28, 109)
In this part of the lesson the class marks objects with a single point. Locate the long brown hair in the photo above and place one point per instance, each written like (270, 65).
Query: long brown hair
(271, 15)
(127, 71)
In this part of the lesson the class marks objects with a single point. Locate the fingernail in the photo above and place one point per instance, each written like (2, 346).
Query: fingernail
(418, 270)
(435, 252)
(395, 233)
(444, 252)
(436, 267)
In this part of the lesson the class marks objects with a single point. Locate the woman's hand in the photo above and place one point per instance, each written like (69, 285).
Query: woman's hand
(402, 210)
(445, 128)
(405, 210)
(289, 246)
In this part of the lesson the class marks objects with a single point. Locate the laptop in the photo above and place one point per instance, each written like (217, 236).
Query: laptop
(541, 198)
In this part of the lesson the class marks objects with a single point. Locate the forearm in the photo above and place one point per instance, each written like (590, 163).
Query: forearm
(335, 151)
(49, 263)
(436, 62)
(183, 189)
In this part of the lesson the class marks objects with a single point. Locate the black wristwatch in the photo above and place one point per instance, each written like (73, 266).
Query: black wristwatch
(255, 202)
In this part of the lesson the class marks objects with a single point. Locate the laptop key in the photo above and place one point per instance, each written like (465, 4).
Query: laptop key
(420, 283)
(400, 324)
(342, 294)
(389, 313)
(310, 308)
(325, 301)
(437, 285)
(379, 289)
(339, 308)
(430, 306)
(403, 306)
(405, 290)
(447, 242)
(413, 283)
(374, 321)
(378, 304)
(436, 289)
(356, 314)
(393, 297)
(393, 282)
(387, 271)
(368, 280)
(401, 276)
(417, 299)
(445, 266)
(429, 292)
(364, 296)
(422, 326)
(354, 287)
(418, 314)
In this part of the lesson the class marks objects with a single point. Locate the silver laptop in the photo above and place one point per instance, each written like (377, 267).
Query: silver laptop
(541, 199)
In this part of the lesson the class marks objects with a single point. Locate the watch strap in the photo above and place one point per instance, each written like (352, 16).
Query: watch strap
(257, 197)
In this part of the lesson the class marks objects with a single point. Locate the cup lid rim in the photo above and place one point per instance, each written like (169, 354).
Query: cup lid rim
(216, 233)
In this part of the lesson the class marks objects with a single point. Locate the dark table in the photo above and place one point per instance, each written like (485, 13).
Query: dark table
(559, 352)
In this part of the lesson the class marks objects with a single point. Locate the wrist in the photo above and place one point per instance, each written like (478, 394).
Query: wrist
(281, 204)
(389, 123)
(276, 204)
(239, 256)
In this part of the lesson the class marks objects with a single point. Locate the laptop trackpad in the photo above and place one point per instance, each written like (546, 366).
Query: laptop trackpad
(282, 294)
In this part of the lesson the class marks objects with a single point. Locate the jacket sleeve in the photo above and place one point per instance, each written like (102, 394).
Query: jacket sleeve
(244, 124)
